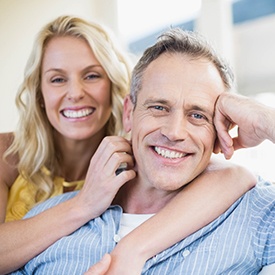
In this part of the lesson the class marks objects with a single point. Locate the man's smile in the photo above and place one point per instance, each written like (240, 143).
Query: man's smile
(169, 153)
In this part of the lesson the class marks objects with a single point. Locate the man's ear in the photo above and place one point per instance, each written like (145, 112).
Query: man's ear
(128, 108)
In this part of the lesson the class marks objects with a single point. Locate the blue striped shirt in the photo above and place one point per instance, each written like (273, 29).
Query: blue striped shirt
(240, 241)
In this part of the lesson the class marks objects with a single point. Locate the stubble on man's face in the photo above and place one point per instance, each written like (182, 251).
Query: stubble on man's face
(172, 125)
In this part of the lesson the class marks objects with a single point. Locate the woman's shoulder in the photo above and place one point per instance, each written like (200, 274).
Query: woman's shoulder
(8, 170)
(51, 202)
(6, 139)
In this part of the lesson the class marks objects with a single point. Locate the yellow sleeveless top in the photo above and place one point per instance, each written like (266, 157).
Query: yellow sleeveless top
(21, 200)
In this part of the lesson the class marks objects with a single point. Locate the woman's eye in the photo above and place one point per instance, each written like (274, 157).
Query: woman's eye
(58, 80)
(92, 76)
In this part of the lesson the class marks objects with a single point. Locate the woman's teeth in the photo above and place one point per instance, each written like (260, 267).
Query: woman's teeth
(77, 114)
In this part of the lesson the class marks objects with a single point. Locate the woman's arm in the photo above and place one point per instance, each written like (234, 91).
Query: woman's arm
(22, 240)
(203, 200)
(266, 270)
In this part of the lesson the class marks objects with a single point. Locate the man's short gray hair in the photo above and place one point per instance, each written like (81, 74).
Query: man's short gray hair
(173, 41)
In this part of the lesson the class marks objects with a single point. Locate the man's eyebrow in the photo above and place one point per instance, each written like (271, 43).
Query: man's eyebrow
(155, 100)
(203, 109)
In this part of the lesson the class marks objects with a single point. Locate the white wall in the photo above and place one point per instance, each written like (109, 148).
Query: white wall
(254, 44)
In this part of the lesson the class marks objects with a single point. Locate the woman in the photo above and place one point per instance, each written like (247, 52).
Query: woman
(70, 100)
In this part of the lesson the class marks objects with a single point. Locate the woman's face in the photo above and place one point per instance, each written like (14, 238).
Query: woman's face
(75, 88)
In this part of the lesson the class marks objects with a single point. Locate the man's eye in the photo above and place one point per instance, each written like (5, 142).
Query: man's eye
(198, 116)
(157, 107)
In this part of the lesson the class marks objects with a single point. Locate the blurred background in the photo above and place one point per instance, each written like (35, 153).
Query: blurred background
(242, 30)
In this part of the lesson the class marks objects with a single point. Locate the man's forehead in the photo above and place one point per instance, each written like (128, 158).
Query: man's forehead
(179, 77)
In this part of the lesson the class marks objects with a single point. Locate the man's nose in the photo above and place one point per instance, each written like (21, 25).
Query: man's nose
(175, 129)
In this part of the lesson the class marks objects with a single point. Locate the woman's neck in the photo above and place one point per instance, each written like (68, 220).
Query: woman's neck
(74, 157)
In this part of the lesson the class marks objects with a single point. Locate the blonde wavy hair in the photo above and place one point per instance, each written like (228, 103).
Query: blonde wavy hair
(33, 138)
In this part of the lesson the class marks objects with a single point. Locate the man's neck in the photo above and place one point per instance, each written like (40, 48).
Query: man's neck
(137, 198)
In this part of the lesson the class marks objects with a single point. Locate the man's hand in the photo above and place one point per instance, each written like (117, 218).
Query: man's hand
(255, 123)
(101, 267)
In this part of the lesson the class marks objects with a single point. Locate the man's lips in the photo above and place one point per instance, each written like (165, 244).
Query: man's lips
(69, 113)
(171, 154)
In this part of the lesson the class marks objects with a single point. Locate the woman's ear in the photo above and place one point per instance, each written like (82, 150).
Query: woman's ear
(127, 114)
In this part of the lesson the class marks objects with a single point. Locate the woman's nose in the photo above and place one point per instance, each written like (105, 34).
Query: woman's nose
(75, 91)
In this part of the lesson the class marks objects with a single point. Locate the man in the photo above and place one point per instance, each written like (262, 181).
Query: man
(170, 114)
(253, 129)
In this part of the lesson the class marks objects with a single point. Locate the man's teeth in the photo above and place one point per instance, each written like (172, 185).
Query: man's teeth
(169, 154)
(77, 114)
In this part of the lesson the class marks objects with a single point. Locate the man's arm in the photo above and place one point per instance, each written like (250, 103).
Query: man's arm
(256, 123)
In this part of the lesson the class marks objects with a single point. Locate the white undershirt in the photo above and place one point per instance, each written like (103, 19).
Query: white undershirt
(129, 222)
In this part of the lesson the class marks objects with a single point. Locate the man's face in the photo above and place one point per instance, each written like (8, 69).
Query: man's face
(172, 125)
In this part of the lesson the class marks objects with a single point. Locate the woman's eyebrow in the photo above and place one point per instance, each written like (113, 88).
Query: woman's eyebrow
(56, 69)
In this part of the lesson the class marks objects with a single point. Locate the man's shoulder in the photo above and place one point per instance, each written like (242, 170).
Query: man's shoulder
(264, 188)
(262, 196)
(50, 203)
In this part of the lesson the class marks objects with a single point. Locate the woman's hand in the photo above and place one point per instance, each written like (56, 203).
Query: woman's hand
(119, 262)
(102, 182)
(101, 267)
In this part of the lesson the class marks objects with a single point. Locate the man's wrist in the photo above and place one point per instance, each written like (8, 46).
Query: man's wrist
(267, 124)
